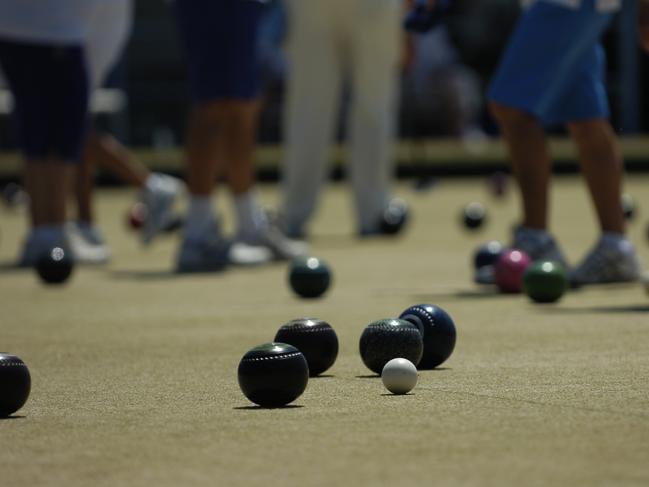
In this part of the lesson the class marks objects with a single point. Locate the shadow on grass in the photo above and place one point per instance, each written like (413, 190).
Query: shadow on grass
(632, 308)
(333, 240)
(259, 408)
(11, 267)
(460, 294)
(147, 275)
(378, 376)
(163, 274)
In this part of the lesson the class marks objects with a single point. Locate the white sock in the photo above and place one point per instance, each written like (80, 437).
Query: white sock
(200, 219)
(251, 220)
(151, 182)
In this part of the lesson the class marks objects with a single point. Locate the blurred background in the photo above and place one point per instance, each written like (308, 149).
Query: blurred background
(444, 77)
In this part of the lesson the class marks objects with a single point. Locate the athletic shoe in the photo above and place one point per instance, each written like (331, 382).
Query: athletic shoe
(216, 254)
(538, 244)
(292, 230)
(272, 238)
(159, 196)
(610, 261)
(392, 220)
(86, 244)
(485, 275)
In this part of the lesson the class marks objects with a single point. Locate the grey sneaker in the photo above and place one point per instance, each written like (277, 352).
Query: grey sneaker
(608, 262)
(86, 244)
(216, 254)
(538, 244)
(280, 246)
(159, 196)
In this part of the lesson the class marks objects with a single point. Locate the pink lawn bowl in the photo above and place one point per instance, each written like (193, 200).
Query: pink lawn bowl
(509, 270)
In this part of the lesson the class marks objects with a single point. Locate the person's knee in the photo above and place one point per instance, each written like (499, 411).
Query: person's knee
(511, 117)
(584, 129)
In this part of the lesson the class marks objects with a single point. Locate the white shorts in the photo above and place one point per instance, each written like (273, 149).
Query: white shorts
(108, 33)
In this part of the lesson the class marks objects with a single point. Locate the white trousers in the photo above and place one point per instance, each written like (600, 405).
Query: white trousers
(330, 41)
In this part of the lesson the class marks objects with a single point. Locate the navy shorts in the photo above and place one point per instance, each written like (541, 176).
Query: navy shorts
(554, 66)
(220, 43)
(50, 88)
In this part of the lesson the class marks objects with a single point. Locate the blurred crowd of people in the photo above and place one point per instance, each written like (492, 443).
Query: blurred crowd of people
(343, 66)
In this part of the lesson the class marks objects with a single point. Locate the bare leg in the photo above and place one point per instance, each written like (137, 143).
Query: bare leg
(84, 185)
(48, 184)
(531, 162)
(106, 151)
(239, 137)
(111, 155)
(205, 139)
(601, 164)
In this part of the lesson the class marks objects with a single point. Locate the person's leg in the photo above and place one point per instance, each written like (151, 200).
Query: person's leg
(47, 181)
(218, 73)
(541, 83)
(376, 46)
(601, 164)
(108, 32)
(157, 191)
(530, 160)
(50, 89)
(239, 139)
(84, 183)
(613, 258)
(238, 147)
(313, 93)
(107, 152)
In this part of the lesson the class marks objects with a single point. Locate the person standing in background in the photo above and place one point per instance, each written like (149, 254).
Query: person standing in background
(220, 44)
(109, 31)
(43, 60)
(329, 42)
(540, 82)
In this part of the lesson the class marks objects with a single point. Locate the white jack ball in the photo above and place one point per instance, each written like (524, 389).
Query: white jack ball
(399, 376)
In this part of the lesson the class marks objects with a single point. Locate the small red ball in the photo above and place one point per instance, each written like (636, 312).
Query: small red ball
(137, 215)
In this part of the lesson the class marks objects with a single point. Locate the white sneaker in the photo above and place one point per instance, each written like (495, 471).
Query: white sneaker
(208, 251)
(610, 261)
(87, 244)
(280, 246)
(215, 255)
(159, 196)
(538, 244)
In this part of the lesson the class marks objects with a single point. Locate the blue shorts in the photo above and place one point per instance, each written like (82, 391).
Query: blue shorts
(554, 66)
(220, 42)
(50, 89)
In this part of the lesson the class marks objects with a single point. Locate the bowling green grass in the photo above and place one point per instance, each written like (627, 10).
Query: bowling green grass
(134, 369)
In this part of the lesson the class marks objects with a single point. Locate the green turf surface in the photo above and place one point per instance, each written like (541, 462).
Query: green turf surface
(134, 369)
